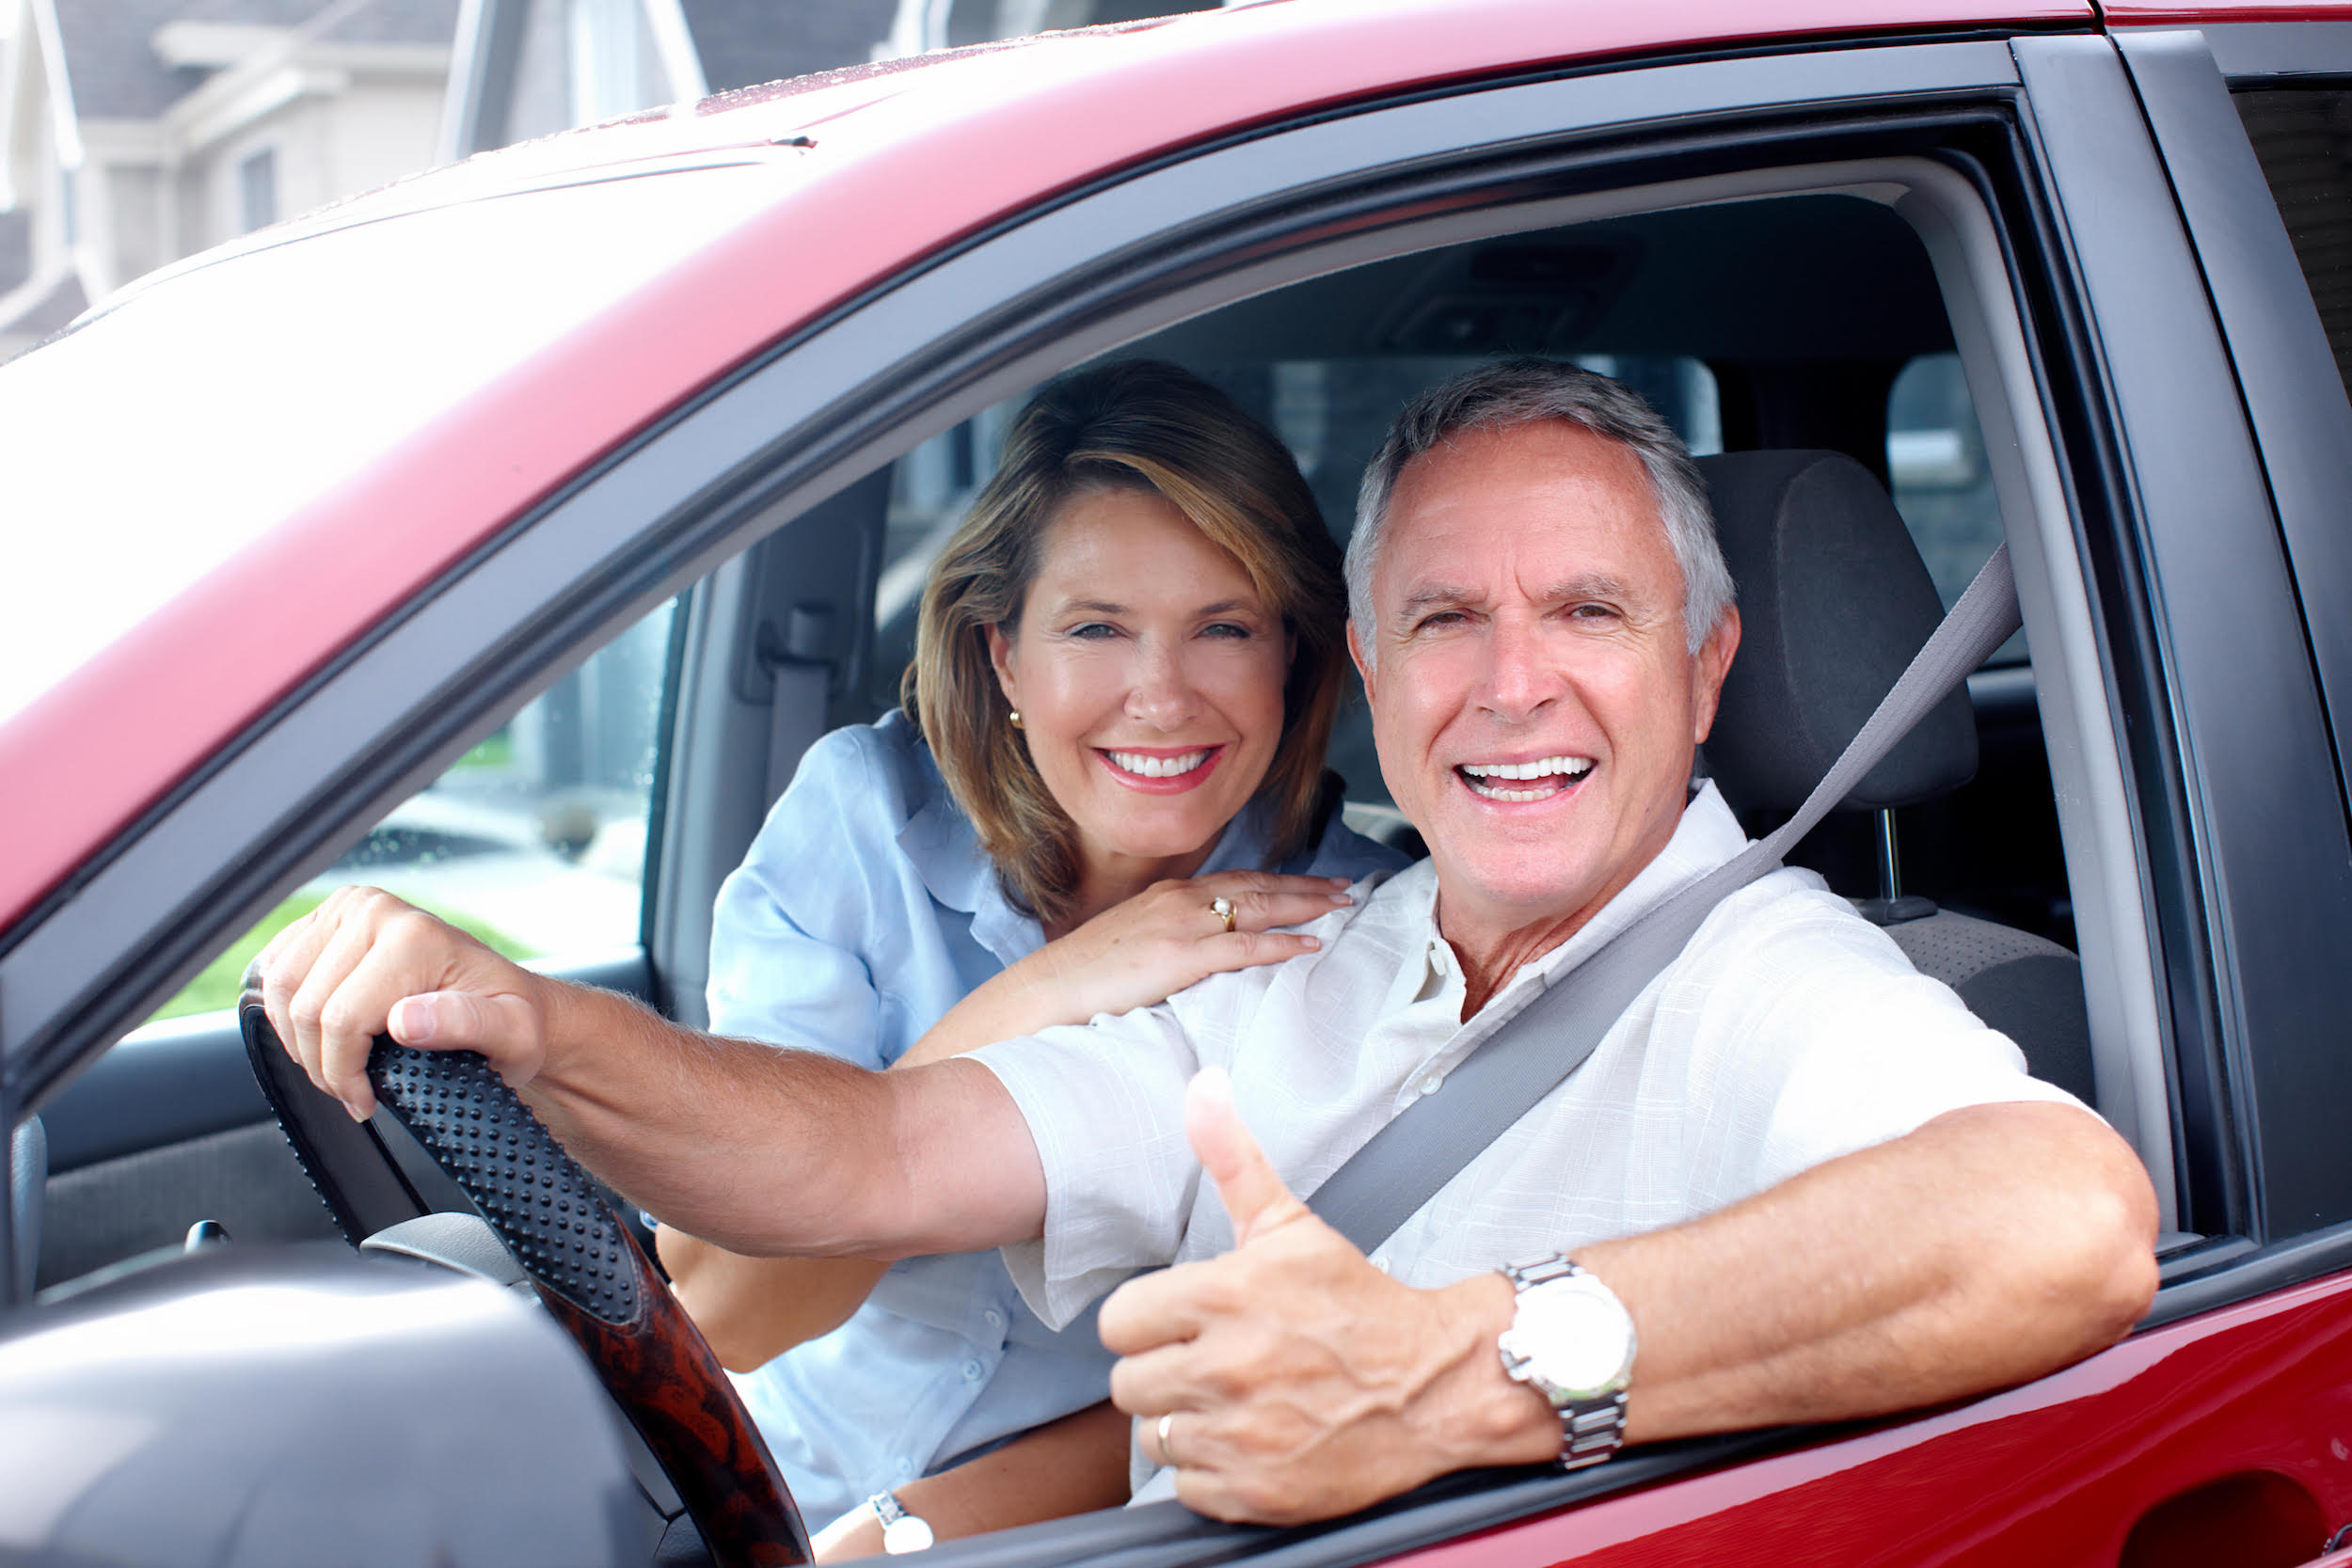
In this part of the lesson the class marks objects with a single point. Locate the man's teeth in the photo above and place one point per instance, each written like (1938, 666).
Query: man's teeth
(1480, 775)
(1159, 768)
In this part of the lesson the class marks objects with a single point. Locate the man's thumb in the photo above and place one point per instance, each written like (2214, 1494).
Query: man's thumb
(1254, 1195)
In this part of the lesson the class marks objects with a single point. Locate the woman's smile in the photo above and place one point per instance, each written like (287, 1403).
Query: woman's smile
(1161, 770)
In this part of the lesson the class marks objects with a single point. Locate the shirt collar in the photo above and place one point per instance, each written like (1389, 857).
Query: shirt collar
(1706, 837)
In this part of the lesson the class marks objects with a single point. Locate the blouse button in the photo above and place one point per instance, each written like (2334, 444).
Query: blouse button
(995, 1319)
(971, 1371)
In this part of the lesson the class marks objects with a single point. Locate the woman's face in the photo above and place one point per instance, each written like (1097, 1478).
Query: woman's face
(1148, 675)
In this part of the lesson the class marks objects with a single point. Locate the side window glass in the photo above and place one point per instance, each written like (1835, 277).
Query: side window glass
(534, 841)
(2303, 139)
(1941, 482)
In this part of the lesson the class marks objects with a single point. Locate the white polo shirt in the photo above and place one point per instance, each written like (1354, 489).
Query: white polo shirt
(1790, 1031)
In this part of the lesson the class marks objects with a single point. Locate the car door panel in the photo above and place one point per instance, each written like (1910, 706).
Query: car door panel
(2059, 1471)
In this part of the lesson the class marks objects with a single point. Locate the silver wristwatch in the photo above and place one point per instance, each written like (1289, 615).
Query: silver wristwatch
(901, 1531)
(1571, 1341)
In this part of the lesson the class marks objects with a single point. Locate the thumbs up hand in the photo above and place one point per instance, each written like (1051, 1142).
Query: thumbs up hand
(1290, 1380)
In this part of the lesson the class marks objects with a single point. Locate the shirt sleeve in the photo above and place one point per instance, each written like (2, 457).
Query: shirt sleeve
(1820, 1038)
(1105, 1104)
(786, 946)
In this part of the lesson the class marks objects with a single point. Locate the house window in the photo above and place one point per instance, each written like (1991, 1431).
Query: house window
(256, 191)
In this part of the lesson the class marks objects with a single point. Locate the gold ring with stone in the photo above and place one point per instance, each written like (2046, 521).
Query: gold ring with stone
(1222, 907)
(1168, 1455)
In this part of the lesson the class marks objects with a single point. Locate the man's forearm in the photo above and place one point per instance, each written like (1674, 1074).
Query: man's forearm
(1995, 1244)
(767, 1152)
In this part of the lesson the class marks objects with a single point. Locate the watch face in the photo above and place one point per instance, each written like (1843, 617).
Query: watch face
(906, 1534)
(1574, 1335)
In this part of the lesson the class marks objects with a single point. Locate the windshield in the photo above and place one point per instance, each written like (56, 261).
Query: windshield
(188, 421)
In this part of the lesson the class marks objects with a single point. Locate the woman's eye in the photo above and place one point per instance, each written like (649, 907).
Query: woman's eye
(1092, 631)
(1225, 628)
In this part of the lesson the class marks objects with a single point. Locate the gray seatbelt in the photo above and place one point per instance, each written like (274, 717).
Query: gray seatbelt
(1533, 1051)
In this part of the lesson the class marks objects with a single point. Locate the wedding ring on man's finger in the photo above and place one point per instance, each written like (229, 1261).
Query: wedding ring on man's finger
(1222, 907)
(1168, 1454)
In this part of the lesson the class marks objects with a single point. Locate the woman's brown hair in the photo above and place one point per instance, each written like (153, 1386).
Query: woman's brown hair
(1140, 425)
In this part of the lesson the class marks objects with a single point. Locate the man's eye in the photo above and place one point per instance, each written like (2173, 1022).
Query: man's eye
(1594, 613)
(1439, 618)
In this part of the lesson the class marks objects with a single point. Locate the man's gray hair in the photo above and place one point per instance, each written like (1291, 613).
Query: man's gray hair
(1521, 391)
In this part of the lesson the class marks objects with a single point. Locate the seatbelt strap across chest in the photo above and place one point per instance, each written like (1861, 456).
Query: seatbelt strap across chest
(1535, 1050)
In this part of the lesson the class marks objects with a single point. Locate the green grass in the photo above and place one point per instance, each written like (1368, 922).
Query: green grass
(216, 985)
(495, 750)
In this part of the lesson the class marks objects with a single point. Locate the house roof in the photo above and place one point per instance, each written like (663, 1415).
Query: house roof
(744, 41)
(110, 52)
(64, 301)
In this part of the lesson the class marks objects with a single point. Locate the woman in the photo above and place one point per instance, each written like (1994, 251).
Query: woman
(1107, 784)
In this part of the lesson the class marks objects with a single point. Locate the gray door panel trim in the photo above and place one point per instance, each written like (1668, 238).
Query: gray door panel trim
(2271, 850)
(2294, 393)
(845, 397)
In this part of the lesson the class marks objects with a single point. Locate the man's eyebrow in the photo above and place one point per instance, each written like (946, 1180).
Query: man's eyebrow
(1590, 585)
(1435, 595)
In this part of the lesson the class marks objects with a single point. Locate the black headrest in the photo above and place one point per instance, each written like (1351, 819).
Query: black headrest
(1834, 602)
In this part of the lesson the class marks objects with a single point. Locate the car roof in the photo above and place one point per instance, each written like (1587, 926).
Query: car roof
(776, 218)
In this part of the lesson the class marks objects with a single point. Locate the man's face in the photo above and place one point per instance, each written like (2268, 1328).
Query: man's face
(1533, 697)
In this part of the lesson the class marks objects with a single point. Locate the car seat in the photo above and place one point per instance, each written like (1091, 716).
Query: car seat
(1834, 602)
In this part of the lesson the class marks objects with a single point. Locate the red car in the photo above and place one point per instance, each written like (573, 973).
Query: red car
(296, 529)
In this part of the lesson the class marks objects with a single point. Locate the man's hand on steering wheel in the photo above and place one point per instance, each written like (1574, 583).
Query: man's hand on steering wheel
(364, 963)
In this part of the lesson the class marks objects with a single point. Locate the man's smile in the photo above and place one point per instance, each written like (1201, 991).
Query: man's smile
(1515, 782)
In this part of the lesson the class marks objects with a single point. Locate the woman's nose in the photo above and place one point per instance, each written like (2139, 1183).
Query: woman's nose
(1163, 694)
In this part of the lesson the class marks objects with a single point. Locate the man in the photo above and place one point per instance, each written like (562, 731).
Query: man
(1798, 1181)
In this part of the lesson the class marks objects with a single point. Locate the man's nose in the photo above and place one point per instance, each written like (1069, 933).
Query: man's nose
(1518, 682)
(1163, 694)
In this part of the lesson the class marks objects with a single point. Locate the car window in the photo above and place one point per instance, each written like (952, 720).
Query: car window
(533, 841)
(1935, 470)
(2303, 139)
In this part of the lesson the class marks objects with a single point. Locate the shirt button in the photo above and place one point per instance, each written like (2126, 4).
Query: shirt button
(906, 1469)
(972, 1371)
(1430, 1083)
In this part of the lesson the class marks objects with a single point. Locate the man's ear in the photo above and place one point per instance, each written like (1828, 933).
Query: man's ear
(1707, 670)
(1355, 651)
(1000, 658)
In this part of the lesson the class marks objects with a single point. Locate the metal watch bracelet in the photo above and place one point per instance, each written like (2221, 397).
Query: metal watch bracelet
(1591, 1432)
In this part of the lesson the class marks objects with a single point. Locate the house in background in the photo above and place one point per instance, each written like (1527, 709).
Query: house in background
(528, 67)
(135, 132)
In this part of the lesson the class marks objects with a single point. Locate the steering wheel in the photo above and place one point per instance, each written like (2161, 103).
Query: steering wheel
(587, 1269)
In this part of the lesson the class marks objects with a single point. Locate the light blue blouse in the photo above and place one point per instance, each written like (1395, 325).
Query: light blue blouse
(863, 913)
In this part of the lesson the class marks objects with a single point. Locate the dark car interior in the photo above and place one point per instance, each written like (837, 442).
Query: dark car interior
(1808, 328)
